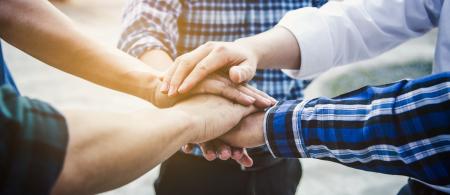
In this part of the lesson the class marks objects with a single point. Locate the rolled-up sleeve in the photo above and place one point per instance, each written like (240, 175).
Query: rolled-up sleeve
(33, 141)
(150, 24)
(343, 32)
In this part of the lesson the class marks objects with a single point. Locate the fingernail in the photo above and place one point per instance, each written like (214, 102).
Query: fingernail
(182, 88)
(172, 91)
(240, 76)
(164, 87)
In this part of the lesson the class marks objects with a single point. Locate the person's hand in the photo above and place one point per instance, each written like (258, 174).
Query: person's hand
(191, 68)
(214, 149)
(210, 116)
(217, 85)
(247, 134)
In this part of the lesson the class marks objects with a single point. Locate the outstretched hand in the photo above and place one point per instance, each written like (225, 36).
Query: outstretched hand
(192, 68)
(214, 84)
(247, 134)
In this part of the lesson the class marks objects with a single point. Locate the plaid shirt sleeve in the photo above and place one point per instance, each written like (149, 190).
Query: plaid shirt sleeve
(33, 140)
(150, 24)
(401, 128)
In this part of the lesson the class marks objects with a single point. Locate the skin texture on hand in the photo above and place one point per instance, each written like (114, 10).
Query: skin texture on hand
(239, 59)
(189, 69)
(215, 84)
(248, 133)
(130, 144)
(211, 123)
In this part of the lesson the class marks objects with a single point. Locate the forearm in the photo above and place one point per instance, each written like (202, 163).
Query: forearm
(39, 29)
(401, 126)
(107, 150)
(157, 59)
(277, 47)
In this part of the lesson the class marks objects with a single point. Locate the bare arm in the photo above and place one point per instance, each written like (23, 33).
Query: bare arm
(157, 59)
(41, 30)
(275, 46)
(107, 150)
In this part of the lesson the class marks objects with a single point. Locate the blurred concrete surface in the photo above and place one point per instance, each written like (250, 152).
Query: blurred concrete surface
(101, 19)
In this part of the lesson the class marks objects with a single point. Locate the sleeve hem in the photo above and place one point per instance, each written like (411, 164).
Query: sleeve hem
(314, 40)
(282, 131)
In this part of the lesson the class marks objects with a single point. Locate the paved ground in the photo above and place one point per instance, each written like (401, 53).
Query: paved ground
(100, 18)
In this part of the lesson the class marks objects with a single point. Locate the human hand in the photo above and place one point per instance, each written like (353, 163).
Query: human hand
(217, 85)
(210, 116)
(191, 68)
(214, 149)
(247, 134)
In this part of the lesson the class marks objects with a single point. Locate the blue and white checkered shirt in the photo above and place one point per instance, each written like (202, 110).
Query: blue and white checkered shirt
(401, 128)
(179, 26)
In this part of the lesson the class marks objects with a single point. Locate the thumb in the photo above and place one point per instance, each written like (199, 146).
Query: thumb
(242, 73)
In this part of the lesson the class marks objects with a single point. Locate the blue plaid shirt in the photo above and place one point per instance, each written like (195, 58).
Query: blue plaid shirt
(401, 128)
(179, 26)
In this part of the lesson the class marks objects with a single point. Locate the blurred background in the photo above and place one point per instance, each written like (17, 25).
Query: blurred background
(101, 19)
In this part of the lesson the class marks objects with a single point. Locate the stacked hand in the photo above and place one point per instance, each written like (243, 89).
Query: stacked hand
(191, 69)
(215, 84)
(210, 63)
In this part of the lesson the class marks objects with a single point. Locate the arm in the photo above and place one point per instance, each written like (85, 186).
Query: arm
(343, 32)
(314, 40)
(150, 33)
(39, 29)
(400, 128)
(106, 151)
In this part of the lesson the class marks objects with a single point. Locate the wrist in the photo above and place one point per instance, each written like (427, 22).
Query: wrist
(252, 45)
(186, 124)
(147, 85)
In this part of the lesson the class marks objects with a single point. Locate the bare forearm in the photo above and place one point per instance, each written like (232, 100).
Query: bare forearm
(157, 59)
(39, 29)
(276, 49)
(107, 150)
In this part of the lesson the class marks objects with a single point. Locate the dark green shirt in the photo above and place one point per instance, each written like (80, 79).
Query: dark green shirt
(33, 141)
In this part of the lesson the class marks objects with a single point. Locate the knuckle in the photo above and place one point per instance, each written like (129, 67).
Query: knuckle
(220, 48)
(209, 44)
(202, 68)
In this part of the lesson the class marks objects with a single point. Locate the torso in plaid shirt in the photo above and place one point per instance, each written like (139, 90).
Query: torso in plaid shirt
(179, 26)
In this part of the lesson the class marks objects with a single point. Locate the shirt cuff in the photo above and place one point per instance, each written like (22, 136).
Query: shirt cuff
(282, 130)
(312, 34)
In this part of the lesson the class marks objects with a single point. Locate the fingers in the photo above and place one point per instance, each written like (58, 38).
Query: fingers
(184, 65)
(166, 79)
(188, 148)
(245, 95)
(262, 100)
(224, 89)
(208, 150)
(223, 150)
(246, 160)
(241, 73)
(211, 63)
(237, 153)
(183, 68)
(213, 149)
